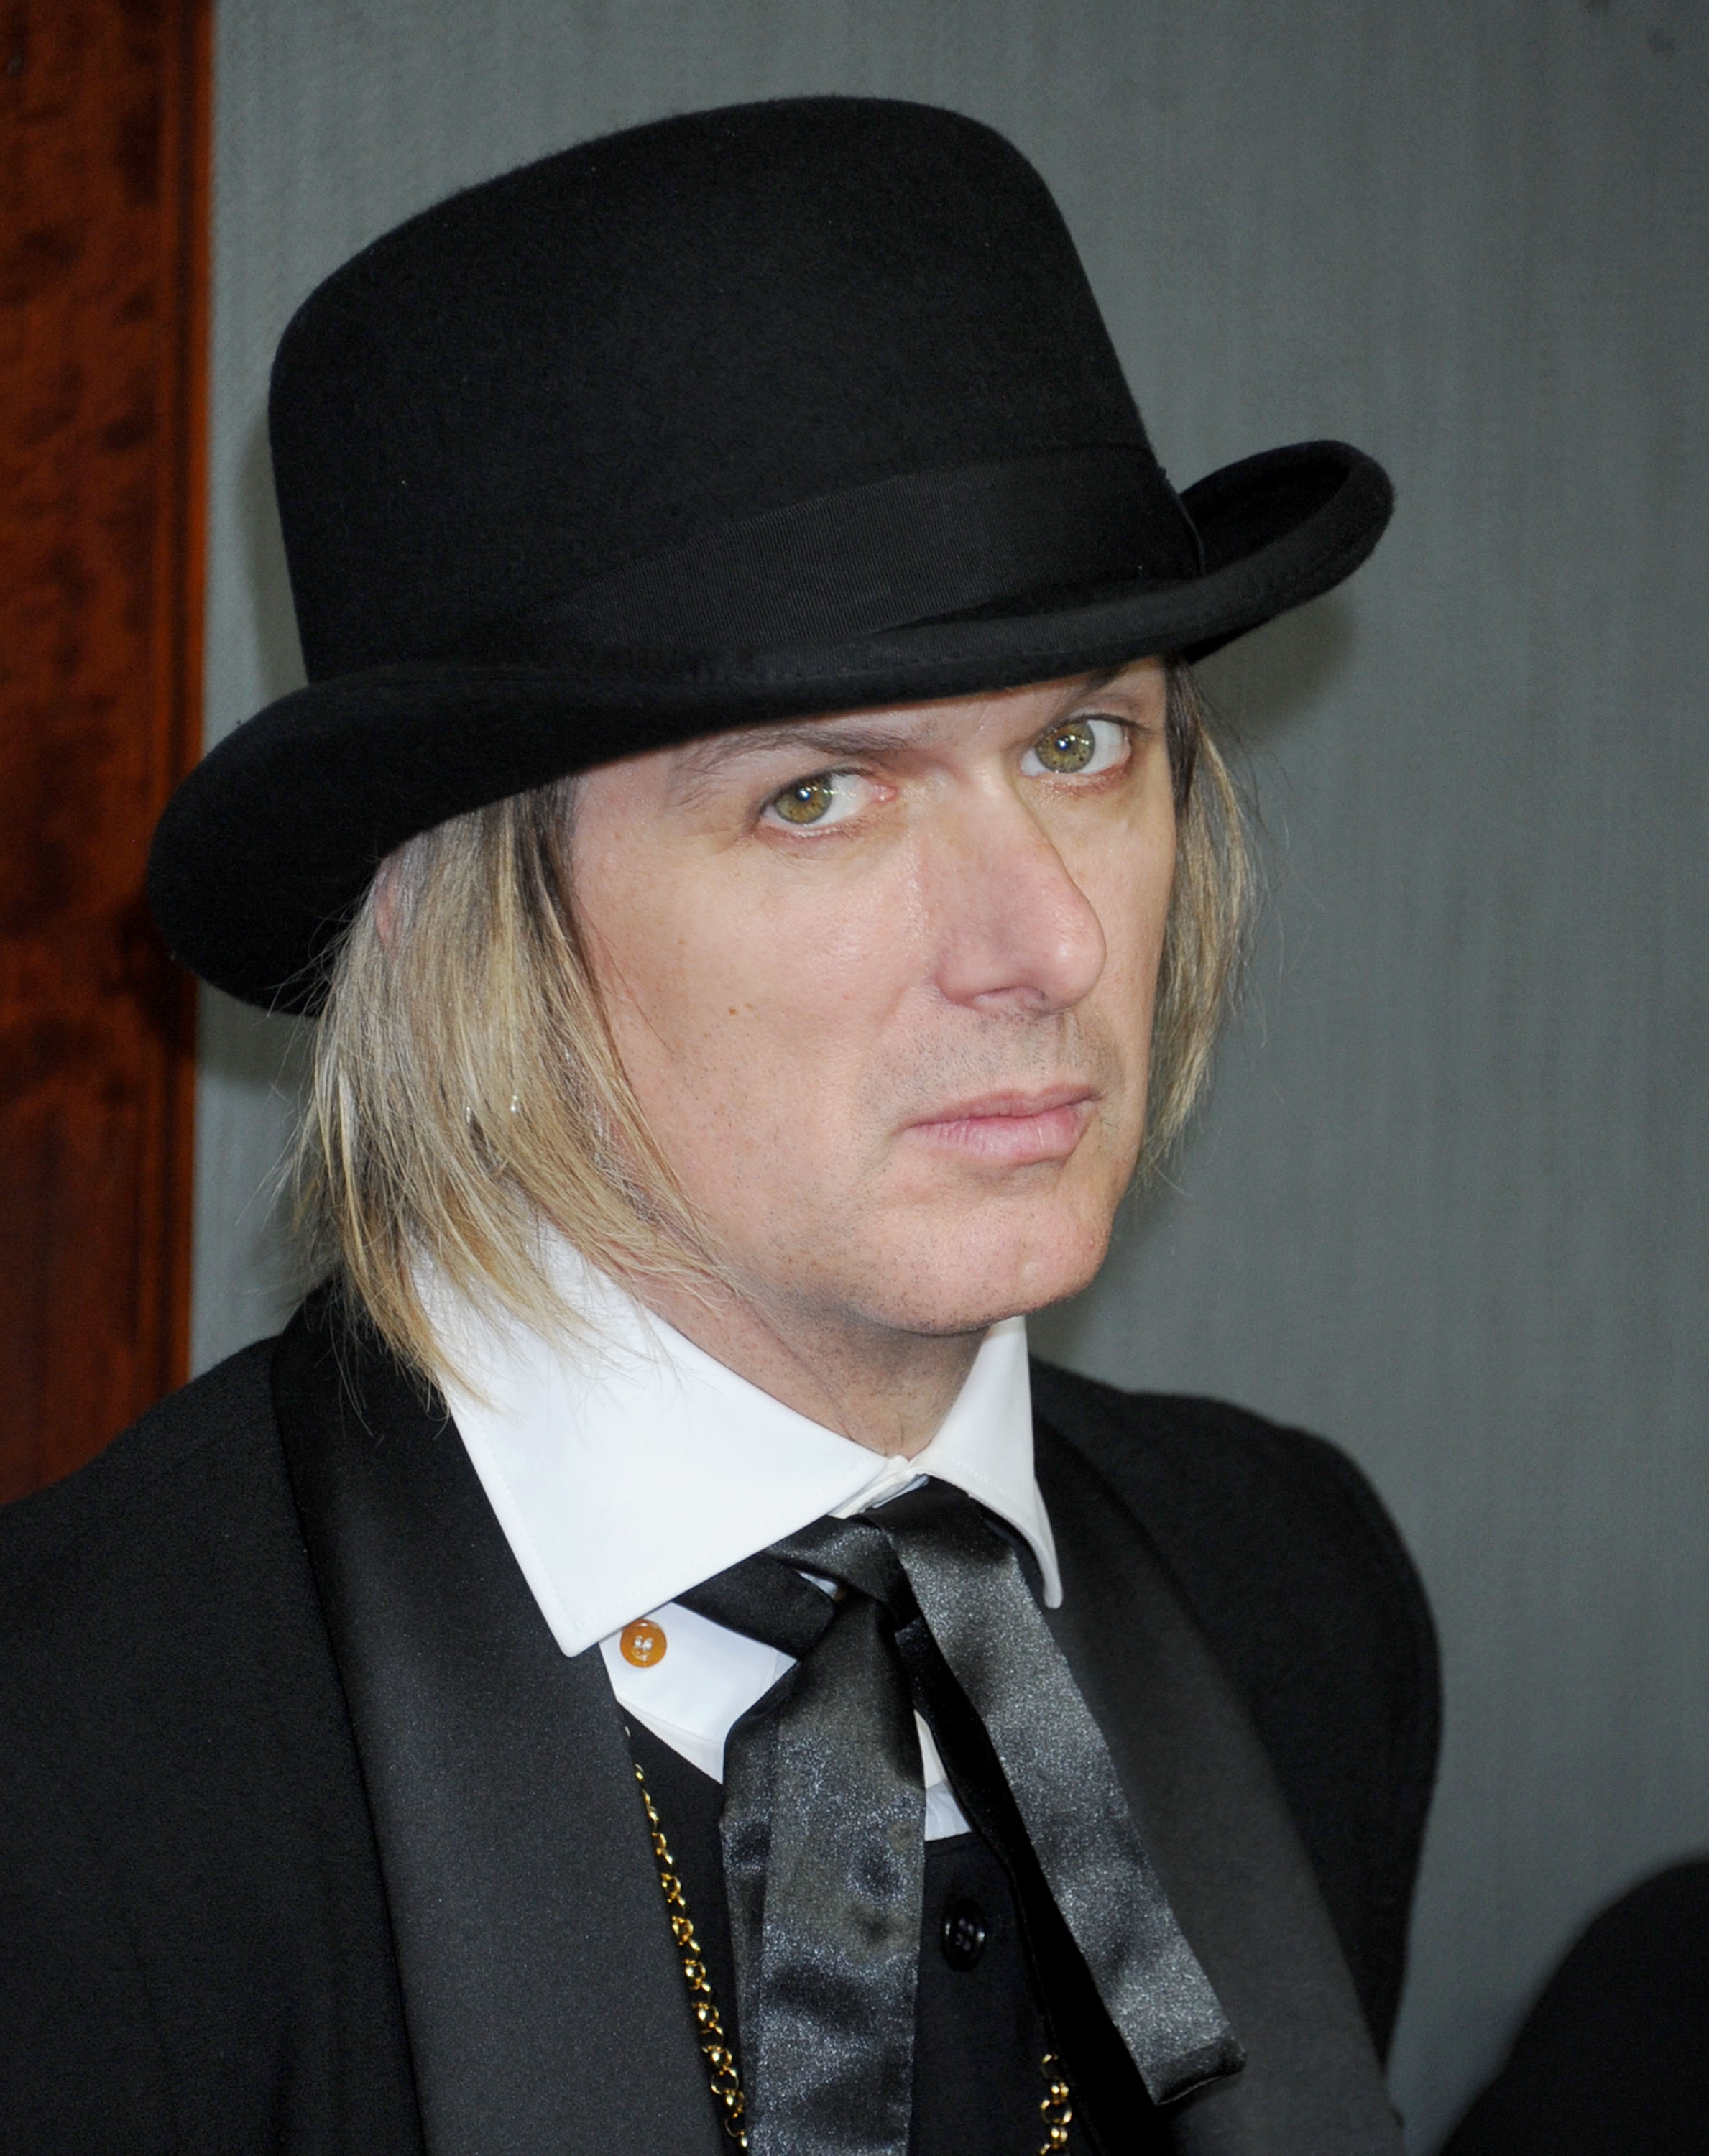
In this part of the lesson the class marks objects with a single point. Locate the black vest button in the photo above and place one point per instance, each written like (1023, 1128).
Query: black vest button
(964, 1934)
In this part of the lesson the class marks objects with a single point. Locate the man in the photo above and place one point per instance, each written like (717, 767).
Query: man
(636, 1662)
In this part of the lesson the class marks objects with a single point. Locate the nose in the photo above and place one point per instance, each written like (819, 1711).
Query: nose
(1014, 932)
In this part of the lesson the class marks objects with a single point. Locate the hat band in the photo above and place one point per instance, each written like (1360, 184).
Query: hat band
(891, 554)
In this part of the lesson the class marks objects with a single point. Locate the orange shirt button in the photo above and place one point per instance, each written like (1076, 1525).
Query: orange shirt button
(642, 1643)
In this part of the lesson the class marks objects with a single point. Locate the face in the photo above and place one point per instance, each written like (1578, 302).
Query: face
(883, 986)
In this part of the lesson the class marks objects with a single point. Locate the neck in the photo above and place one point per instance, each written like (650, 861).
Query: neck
(887, 1390)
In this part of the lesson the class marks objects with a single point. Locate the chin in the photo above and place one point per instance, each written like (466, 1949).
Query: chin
(975, 1281)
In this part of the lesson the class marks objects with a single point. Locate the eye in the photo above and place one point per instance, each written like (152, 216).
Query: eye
(1078, 748)
(828, 797)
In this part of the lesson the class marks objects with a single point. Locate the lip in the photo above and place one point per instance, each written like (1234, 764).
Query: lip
(1013, 1128)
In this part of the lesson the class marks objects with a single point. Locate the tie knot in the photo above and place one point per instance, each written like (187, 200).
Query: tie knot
(766, 1596)
(856, 1554)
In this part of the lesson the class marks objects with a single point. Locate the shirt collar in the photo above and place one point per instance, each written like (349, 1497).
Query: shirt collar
(626, 1465)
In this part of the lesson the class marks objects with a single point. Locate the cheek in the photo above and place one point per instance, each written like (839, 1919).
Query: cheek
(1149, 915)
(733, 1003)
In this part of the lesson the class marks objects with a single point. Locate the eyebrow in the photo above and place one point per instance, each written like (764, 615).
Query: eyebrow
(824, 741)
(821, 740)
(813, 736)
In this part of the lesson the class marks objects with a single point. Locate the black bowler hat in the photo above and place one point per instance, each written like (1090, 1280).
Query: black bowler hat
(781, 409)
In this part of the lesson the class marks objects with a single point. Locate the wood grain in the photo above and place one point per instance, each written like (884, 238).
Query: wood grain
(103, 134)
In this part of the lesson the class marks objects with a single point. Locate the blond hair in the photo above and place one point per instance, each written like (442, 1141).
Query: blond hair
(466, 1089)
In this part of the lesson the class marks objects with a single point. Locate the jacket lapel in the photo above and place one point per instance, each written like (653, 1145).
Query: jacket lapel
(1203, 1791)
(545, 2008)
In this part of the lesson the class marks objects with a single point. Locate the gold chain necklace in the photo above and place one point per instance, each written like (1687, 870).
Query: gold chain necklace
(721, 2060)
(725, 2077)
(1057, 2110)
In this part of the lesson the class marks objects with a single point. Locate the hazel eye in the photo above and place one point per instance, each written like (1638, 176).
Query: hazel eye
(1077, 748)
(827, 797)
(806, 803)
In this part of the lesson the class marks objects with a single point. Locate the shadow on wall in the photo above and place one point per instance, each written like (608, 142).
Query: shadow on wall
(1612, 2056)
(273, 617)
(251, 1066)
(1265, 684)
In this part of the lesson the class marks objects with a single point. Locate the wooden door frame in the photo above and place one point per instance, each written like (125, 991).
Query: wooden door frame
(105, 158)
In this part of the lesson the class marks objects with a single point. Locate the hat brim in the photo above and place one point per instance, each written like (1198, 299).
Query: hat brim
(270, 843)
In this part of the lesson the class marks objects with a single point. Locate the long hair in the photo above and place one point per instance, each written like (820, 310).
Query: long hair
(466, 1091)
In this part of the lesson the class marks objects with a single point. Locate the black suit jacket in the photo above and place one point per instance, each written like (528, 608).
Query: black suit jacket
(200, 1944)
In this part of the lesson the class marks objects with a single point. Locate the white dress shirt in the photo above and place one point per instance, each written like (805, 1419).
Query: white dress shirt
(626, 1465)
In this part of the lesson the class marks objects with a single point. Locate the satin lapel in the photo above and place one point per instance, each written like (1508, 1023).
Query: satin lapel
(1203, 1791)
(545, 2009)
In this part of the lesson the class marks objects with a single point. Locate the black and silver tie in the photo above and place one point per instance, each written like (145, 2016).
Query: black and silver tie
(822, 1827)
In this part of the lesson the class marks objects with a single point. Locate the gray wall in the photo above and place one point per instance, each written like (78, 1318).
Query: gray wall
(1447, 1202)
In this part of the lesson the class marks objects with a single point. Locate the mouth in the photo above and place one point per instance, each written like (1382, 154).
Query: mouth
(1014, 1129)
